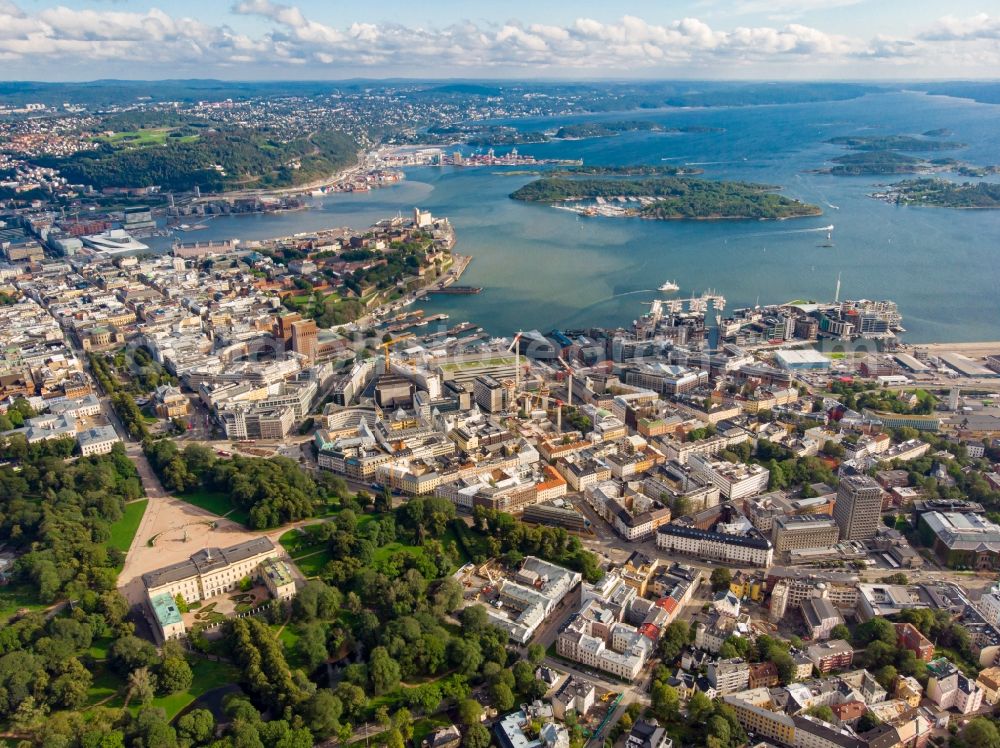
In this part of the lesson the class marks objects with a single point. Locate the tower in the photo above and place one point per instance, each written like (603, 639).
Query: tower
(858, 507)
(304, 338)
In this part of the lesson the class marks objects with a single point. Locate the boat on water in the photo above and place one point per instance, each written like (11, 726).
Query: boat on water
(669, 286)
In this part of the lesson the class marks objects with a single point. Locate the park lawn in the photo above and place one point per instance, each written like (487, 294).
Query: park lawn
(99, 648)
(13, 597)
(299, 543)
(216, 502)
(386, 551)
(312, 564)
(106, 684)
(450, 538)
(208, 675)
(124, 530)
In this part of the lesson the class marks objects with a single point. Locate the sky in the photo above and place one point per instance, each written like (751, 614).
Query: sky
(583, 39)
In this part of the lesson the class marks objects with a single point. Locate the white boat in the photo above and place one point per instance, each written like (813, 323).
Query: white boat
(669, 286)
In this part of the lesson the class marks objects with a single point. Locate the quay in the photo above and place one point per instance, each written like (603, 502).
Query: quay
(456, 290)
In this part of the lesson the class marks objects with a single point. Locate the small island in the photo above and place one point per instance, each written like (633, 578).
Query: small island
(582, 130)
(637, 170)
(894, 143)
(665, 198)
(940, 193)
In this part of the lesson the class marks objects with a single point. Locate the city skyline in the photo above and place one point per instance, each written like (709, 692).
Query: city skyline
(711, 39)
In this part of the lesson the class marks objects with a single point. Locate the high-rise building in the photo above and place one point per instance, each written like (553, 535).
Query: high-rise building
(488, 393)
(305, 335)
(283, 327)
(859, 504)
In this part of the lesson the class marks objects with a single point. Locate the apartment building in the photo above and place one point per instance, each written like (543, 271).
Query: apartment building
(949, 688)
(735, 480)
(750, 549)
(729, 676)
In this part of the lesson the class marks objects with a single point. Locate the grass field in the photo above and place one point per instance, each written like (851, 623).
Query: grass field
(207, 676)
(300, 542)
(312, 564)
(217, 503)
(426, 725)
(143, 138)
(16, 596)
(123, 531)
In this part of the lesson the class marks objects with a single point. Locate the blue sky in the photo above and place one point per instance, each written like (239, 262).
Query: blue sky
(774, 39)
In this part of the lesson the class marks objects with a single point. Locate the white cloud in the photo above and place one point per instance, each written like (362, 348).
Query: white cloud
(950, 28)
(628, 46)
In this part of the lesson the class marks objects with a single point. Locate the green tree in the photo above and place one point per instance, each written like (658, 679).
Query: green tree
(981, 733)
(383, 671)
(721, 578)
(311, 645)
(502, 697)
(174, 675)
(469, 712)
(822, 712)
(476, 736)
(840, 631)
(141, 685)
(699, 707)
(196, 727)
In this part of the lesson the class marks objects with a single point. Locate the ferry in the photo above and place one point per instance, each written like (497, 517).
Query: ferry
(669, 286)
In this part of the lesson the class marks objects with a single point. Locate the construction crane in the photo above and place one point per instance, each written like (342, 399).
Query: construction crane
(386, 345)
(569, 381)
(517, 360)
(546, 402)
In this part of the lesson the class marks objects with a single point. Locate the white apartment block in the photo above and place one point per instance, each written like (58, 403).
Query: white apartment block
(735, 480)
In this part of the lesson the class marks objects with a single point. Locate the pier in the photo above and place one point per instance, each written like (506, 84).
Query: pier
(456, 290)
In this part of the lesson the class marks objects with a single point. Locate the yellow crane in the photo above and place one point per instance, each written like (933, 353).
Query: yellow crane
(386, 345)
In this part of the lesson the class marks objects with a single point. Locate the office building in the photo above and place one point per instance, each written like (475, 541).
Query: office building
(488, 393)
(858, 507)
(804, 531)
(305, 335)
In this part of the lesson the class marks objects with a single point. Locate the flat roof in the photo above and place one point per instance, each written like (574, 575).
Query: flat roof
(802, 356)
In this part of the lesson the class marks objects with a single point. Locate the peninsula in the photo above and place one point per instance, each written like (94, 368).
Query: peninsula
(665, 198)
(609, 129)
(940, 193)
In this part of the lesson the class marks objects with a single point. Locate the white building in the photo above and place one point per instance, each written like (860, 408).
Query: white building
(98, 440)
(739, 550)
(735, 480)
(950, 689)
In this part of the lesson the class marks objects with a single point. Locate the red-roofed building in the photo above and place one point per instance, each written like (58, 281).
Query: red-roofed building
(763, 675)
(907, 635)
(848, 711)
(650, 630)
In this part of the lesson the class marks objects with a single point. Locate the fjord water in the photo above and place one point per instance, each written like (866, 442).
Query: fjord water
(545, 268)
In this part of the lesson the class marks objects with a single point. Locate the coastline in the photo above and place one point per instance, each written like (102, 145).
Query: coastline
(973, 350)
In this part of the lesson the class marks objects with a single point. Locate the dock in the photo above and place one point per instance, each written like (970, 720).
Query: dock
(456, 290)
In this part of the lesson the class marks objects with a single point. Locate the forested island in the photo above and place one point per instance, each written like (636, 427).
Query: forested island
(940, 193)
(609, 129)
(894, 143)
(212, 160)
(637, 170)
(868, 163)
(668, 198)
